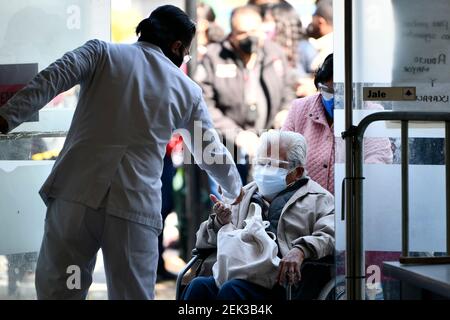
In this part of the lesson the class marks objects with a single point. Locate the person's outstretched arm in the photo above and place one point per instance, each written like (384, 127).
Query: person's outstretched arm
(210, 154)
(75, 67)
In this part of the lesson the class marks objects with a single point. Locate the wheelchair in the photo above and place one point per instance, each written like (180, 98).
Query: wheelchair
(329, 287)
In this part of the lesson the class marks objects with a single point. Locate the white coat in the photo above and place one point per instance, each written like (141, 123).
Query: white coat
(132, 99)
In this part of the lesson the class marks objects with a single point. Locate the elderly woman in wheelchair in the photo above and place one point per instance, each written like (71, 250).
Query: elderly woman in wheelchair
(299, 212)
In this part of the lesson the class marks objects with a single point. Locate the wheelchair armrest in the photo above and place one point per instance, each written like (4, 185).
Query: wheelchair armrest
(327, 261)
(197, 254)
(203, 253)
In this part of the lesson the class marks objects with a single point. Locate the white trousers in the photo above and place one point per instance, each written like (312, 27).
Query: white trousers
(74, 234)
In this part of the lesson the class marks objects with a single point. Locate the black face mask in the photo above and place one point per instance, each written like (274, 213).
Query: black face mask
(249, 45)
(177, 60)
(313, 32)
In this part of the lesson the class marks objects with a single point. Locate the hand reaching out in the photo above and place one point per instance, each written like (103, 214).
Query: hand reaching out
(223, 214)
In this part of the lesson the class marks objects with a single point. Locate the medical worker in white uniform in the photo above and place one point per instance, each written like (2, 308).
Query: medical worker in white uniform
(104, 190)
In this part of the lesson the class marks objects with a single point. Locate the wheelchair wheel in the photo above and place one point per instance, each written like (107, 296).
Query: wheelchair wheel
(334, 290)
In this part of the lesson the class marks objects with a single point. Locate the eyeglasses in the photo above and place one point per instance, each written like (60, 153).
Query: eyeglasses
(186, 59)
(269, 162)
(324, 88)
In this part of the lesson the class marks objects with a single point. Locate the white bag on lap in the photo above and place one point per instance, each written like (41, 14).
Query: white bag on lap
(249, 253)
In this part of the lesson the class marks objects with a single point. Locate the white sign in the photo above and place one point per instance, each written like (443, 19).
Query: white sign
(422, 53)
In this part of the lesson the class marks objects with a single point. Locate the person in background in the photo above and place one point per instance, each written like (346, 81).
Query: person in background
(208, 30)
(283, 26)
(318, 45)
(104, 191)
(245, 80)
(265, 3)
(313, 117)
(320, 33)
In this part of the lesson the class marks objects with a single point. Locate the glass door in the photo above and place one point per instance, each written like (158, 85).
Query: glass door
(401, 51)
(33, 34)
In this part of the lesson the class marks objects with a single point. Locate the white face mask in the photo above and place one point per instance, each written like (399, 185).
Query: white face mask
(186, 59)
(270, 180)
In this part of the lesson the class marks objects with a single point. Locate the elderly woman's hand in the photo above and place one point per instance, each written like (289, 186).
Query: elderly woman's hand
(289, 270)
(223, 214)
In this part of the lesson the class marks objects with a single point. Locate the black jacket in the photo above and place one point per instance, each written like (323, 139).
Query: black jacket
(221, 76)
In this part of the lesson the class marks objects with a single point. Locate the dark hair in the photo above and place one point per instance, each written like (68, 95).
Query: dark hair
(244, 9)
(208, 12)
(215, 33)
(166, 25)
(324, 9)
(289, 30)
(263, 8)
(325, 72)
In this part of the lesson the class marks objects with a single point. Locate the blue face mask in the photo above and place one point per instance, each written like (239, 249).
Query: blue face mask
(329, 105)
(270, 180)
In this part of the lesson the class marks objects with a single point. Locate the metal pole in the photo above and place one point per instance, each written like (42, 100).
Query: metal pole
(191, 10)
(353, 289)
(358, 243)
(192, 176)
(447, 181)
(405, 189)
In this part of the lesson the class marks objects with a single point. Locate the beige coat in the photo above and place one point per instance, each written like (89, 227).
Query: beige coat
(306, 222)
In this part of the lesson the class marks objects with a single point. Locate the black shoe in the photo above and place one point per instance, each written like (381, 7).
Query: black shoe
(166, 276)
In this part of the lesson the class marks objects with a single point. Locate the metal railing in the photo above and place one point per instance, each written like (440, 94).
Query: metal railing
(353, 192)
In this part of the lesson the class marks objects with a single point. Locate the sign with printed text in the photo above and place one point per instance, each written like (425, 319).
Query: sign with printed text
(14, 77)
(422, 53)
(8, 91)
(389, 94)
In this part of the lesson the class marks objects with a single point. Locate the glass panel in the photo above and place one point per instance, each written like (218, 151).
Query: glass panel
(339, 126)
(396, 43)
(421, 53)
(33, 34)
